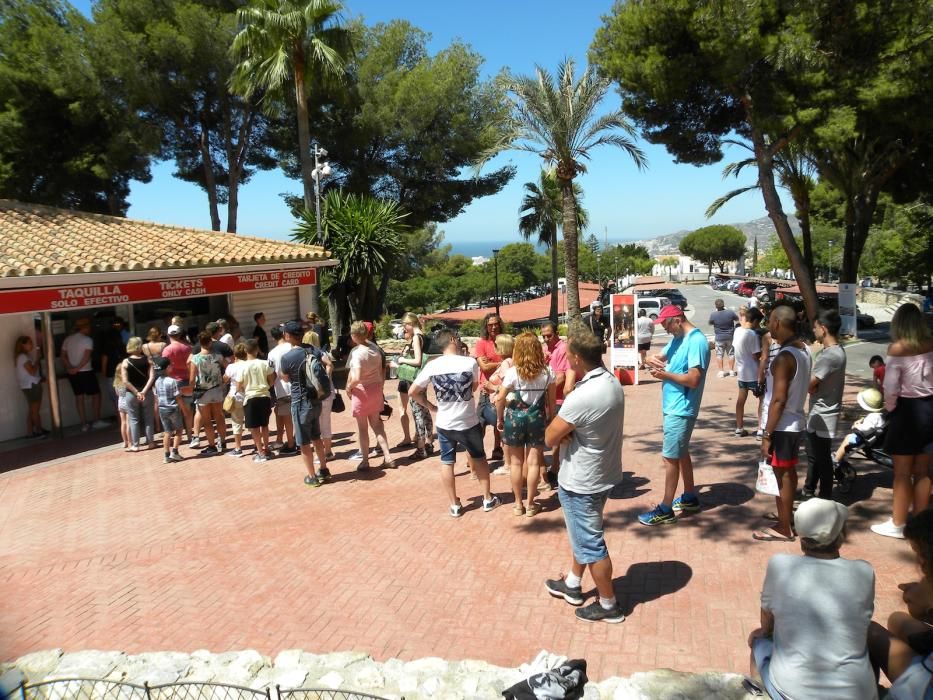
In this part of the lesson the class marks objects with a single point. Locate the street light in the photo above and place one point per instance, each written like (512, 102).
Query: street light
(495, 258)
(598, 276)
(321, 170)
(830, 265)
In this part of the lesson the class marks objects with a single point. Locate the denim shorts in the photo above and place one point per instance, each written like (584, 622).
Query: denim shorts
(486, 411)
(583, 514)
(171, 420)
(751, 386)
(306, 417)
(677, 432)
(471, 439)
(724, 347)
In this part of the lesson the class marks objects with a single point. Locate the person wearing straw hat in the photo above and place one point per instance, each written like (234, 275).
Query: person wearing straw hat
(872, 401)
(815, 614)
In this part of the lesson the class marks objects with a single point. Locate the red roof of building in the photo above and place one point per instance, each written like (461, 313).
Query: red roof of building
(820, 289)
(525, 310)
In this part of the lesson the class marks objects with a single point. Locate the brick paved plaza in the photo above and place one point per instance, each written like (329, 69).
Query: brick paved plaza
(109, 550)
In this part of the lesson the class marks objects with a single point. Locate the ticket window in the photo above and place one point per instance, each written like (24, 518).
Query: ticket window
(197, 312)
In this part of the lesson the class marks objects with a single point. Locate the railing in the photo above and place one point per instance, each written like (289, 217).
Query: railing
(99, 689)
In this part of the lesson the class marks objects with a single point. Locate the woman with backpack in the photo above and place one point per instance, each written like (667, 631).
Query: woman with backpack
(364, 386)
(206, 376)
(138, 377)
(409, 365)
(524, 405)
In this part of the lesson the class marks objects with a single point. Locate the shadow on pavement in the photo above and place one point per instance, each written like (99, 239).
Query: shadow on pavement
(647, 581)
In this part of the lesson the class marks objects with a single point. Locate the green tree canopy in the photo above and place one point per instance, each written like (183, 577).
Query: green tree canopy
(175, 62)
(66, 136)
(718, 244)
(404, 124)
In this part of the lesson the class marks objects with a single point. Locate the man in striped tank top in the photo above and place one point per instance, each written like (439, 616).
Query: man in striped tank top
(784, 417)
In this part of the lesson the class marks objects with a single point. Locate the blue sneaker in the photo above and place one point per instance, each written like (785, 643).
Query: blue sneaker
(687, 503)
(661, 515)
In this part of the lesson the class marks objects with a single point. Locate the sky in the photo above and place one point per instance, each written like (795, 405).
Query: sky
(623, 202)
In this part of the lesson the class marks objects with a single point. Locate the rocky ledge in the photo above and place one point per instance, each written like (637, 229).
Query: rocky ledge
(351, 671)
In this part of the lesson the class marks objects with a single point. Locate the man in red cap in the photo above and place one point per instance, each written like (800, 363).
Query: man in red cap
(681, 367)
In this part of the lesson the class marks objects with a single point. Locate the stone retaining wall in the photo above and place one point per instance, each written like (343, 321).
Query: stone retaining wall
(414, 680)
(887, 297)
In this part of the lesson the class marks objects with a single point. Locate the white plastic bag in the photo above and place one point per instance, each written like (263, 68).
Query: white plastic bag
(767, 481)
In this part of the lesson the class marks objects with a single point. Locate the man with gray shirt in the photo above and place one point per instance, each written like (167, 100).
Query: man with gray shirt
(589, 425)
(723, 321)
(826, 387)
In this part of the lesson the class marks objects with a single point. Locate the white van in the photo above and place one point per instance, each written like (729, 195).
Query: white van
(652, 305)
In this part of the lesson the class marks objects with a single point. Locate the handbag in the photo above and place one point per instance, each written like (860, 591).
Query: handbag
(386, 411)
(338, 406)
(408, 373)
(767, 481)
(229, 402)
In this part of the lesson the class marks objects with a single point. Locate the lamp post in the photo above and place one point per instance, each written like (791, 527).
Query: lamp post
(495, 258)
(598, 275)
(829, 274)
(320, 170)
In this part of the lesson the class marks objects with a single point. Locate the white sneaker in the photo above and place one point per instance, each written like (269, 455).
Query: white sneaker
(100, 424)
(357, 456)
(195, 443)
(722, 374)
(889, 529)
(501, 471)
(733, 373)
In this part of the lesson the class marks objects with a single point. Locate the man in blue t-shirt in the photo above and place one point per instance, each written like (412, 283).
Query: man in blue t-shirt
(681, 367)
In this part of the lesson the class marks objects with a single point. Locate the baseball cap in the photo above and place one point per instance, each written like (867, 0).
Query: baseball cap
(669, 311)
(870, 399)
(174, 330)
(161, 362)
(294, 328)
(369, 326)
(820, 519)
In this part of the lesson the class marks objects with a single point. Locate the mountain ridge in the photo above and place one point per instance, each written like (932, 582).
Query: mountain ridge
(763, 229)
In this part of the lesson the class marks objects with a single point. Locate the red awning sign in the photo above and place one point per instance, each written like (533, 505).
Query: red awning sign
(93, 295)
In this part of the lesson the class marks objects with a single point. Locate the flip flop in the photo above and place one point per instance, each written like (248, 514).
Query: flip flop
(769, 534)
(405, 443)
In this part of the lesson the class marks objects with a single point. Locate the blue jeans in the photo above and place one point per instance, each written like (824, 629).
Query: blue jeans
(762, 650)
(583, 514)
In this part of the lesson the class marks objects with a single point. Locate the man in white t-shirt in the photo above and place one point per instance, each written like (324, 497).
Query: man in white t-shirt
(590, 421)
(455, 378)
(76, 359)
(283, 398)
(747, 346)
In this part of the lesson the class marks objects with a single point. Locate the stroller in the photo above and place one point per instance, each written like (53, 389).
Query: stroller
(870, 445)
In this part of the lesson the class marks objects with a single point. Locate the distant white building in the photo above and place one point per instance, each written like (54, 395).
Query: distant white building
(687, 269)
(479, 260)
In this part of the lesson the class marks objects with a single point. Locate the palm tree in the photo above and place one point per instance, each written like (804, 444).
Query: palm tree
(284, 41)
(541, 212)
(555, 117)
(796, 173)
(364, 233)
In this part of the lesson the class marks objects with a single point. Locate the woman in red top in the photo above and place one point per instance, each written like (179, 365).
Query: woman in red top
(489, 361)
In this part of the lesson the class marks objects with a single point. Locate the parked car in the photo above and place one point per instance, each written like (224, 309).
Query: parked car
(863, 320)
(745, 289)
(765, 292)
(732, 284)
(397, 328)
(675, 297)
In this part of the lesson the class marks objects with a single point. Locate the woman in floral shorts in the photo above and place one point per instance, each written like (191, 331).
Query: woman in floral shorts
(524, 406)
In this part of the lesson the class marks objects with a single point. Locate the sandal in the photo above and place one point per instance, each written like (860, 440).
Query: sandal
(518, 510)
(769, 534)
(416, 455)
(533, 510)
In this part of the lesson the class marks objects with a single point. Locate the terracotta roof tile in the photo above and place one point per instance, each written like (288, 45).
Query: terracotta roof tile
(522, 311)
(40, 240)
